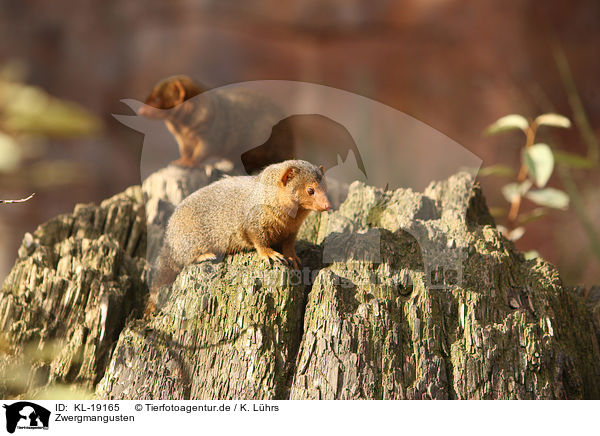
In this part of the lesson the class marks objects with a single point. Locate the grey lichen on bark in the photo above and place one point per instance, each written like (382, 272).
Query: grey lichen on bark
(507, 329)
(402, 295)
(227, 330)
(77, 279)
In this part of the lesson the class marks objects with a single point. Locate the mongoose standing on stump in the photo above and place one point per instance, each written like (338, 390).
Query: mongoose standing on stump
(243, 213)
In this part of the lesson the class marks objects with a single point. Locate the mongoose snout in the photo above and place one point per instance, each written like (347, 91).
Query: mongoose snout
(322, 201)
(169, 93)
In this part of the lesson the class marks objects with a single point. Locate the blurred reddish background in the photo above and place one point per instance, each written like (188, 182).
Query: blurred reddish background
(457, 66)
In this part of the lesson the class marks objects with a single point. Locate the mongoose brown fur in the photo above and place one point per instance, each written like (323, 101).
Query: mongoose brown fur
(243, 213)
(220, 123)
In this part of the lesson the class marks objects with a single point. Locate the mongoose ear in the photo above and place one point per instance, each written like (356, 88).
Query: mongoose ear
(154, 100)
(179, 92)
(322, 169)
(287, 175)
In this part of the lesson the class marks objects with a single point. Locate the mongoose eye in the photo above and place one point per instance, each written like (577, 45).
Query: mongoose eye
(310, 191)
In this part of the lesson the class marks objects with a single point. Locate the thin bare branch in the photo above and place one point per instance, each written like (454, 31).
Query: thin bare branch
(17, 201)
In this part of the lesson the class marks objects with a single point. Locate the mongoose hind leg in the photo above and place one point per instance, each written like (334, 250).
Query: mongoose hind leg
(205, 256)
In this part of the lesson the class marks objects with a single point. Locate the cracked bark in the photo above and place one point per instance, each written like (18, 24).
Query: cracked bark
(347, 328)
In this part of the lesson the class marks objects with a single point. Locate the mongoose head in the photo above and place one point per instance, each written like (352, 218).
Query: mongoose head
(305, 184)
(168, 94)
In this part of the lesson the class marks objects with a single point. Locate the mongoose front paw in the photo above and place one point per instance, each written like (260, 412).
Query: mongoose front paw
(274, 256)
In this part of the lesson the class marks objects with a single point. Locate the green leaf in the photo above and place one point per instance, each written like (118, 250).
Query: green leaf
(534, 215)
(549, 197)
(497, 170)
(512, 191)
(554, 120)
(10, 153)
(540, 163)
(531, 254)
(516, 234)
(28, 109)
(508, 122)
(573, 160)
(498, 212)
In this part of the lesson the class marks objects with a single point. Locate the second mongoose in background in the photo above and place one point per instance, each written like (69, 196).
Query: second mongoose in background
(243, 213)
(219, 123)
(223, 123)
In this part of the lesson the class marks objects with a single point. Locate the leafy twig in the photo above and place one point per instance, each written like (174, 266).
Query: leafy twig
(537, 165)
(516, 202)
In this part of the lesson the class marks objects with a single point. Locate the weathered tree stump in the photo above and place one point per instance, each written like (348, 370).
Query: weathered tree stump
(370, 315)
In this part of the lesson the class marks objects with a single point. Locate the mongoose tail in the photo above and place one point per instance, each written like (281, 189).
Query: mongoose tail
(166, 268)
